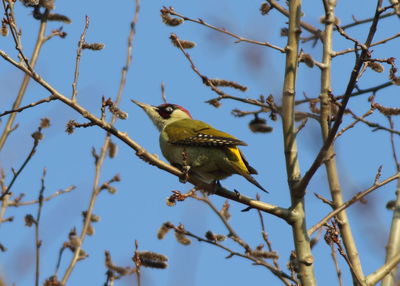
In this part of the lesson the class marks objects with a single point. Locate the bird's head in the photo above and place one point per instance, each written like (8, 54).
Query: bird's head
(164, 114)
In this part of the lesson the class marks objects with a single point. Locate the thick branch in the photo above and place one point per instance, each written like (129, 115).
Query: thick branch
(330, 164)
(300, 188)
(140, 151)
(300, 237)
(380, 273)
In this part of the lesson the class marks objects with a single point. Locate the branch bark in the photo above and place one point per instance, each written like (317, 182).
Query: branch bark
(394, 237)
(24, 85)
(299, 229)
(330, 164)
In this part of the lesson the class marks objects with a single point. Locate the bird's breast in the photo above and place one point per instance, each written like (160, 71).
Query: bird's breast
(209, 162)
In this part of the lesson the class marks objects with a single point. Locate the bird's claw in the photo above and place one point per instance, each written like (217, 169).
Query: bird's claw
(185, 176)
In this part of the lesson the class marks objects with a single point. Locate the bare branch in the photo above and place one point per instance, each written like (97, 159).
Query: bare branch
(37, 136)
(31, 65)
(33, 104)
(353, 200)
(38, 242)
(308, 27)
(15, 203)
(358, 22)
(380, 273)
(351, 125)
(278, 273)
(78, 59)
(350, 86)
(100, 159)
(238, 38)
(335, 54)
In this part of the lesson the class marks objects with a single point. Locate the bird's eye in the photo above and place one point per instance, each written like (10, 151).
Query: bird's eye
(169, 109)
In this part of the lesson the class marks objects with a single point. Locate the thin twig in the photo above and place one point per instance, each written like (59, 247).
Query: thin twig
(208, 82)
(99, 162)
(353, 200)
(232, 233)
(238, 38)
(359, 91)
(374, 125)
(335, 54)
(15, 31)
(33, 104)
(351, 125)
(38, 242)
(265, 236)
(335, 261)
(28, 75)
(373, 89)
(147, 156)
(278, 273)
(78, 59)
(332, 238)
(358, 22)
(46, 199)
(17, 173)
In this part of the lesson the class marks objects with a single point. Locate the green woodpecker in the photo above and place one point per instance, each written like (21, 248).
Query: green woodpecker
(210, 154)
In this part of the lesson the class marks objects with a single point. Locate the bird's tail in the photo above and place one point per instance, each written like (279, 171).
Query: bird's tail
(254, 182)
(241, 165)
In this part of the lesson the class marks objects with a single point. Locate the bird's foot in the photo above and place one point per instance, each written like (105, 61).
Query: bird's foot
(185, 176)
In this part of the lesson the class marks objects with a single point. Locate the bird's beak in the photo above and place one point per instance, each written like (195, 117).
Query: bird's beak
(152, 112)
(146, 107)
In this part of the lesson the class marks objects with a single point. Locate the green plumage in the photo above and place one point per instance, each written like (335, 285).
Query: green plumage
(197, 133)
(209, 154)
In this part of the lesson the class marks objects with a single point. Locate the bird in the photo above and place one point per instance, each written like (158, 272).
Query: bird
(208, 154)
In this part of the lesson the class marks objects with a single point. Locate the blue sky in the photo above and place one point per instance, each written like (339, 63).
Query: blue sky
(138, 209)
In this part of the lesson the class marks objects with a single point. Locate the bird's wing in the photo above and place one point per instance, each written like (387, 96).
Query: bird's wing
(197, 133)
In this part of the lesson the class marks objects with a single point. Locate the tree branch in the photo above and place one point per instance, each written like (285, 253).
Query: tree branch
(301, 186)
(31, 65)
(380, 273)
(78, 59)
(353, 200)
(239, 39)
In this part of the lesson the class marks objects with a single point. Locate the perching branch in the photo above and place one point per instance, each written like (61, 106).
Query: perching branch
(141, 152)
